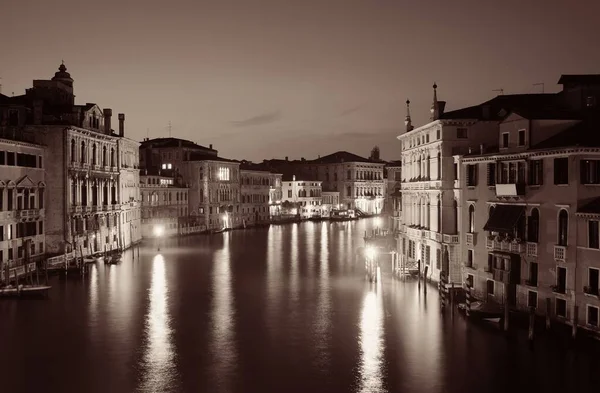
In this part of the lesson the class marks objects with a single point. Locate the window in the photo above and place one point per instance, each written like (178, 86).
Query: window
(471, 219)
(592, 316)
(439, 166)
(533, 226)
(561, 170)
(428, 255)
(561, 308)
(490, 287)
(461, 133)
(533, 274)
(536, 173)
(590, 101)
(469, 258)
(490, 263)
(349, 174)
(563, 227)
(532, 299)
(349, 191)
(593, 281)
(438, 134)
(456, 213)
(491, 174)
(589, 171)
(472, 175)
(13, 117)
(82, 152)
(438, 259)
(469, 280)
(593, 235)
(521, 137)
(10, 158)
(561, 279)
(505, 139)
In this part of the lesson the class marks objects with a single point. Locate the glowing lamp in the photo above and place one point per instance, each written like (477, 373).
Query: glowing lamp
(370, 252)
(158, 230)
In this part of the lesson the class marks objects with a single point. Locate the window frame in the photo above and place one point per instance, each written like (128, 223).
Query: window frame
(521, 132)
(505, 135)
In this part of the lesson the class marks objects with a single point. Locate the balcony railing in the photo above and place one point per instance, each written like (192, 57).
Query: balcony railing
(28, 213)
(471, 238)
(505, 245)
(532, 249)
(560, 253)
(451, 239)
(558, 289)
(590, 290)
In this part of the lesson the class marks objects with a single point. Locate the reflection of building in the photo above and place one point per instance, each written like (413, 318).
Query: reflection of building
(22, 203)
(331, 200)
(530, 211)
(164, 202)
(393, 197)
(255, 189)
(83, 173)
(304, 197)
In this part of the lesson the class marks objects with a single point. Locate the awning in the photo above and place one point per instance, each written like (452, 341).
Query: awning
(504, 218)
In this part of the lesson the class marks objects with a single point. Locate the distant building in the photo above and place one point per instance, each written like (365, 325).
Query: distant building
(303, 197)
(255, 188)
(164, 203)
(393, 198)
(275, 195)
(83, 176)
(170, 153)
(129, 192)
(331, 201)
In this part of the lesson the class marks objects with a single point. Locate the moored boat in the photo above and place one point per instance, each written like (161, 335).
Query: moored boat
(24, 290)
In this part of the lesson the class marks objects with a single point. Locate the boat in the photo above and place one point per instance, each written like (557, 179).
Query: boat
(90, 260)
(112, 260)
(24, 290)
(486, 311)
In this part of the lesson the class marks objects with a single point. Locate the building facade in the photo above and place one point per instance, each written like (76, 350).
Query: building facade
(129, 189)
(255, 190)
(304, 196)
(331, 201)
(393, 196)
(275, 195)
(164, 204)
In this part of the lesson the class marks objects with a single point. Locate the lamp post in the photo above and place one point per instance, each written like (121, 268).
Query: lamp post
(158, 232)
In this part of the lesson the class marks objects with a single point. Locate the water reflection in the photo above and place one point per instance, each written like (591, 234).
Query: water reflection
(159, 374)
(223, 346)
(274, 282)
(93, 309)
(322, 323)
(371, 340)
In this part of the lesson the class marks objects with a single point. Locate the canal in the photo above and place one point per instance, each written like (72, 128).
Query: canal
(280, 309)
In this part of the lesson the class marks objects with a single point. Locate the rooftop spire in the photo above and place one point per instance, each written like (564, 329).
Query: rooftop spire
(407, 120)
(434, 105)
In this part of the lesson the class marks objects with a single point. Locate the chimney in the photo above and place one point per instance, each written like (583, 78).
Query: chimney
(121, 124)
(470, 150)
(302, 159)
(481, 149)
(210, 146)
(293, 177)
(286, 158)
(38, 112)
(107, 121)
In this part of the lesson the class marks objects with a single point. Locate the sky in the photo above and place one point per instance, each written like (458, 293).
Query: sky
(264, 79)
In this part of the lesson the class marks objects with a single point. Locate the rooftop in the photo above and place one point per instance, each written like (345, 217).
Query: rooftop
(500, 106)
(342, 156)
(201, 156)
(589, 79)
(583, 134)
(173, 142)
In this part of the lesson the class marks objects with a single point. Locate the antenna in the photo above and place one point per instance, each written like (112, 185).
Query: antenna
(540, 84)
(170, 127)
(501, 91)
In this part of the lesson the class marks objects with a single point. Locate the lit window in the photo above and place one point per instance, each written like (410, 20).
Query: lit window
(164, 166)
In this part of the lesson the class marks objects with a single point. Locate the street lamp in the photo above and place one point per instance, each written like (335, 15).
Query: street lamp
(158, 232)
(370, 252)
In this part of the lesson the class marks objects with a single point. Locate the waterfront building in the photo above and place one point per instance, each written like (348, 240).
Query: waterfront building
(393, 195)
(129, 188)
(303, 196)
(330, 201)
(275, 195)
(529, 206)
(164, 203)
(83, 176)
(22, 197)
(170, 153)
(255, 189)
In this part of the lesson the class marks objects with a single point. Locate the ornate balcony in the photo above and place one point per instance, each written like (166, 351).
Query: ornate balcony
(560, 253)
(532, 249)
(505, 245)
(451, 239)
(471, 239)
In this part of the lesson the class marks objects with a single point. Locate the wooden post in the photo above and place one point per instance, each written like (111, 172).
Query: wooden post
(452, 298)
(547, 313)
(575, 316)
(468, 300)
(46, 263)
(531, 323)
(506, 308)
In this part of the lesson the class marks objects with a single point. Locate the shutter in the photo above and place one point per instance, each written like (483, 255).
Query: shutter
(468, 175)
(582, 172)
(540, 169)
(475, 174)
(556, 172)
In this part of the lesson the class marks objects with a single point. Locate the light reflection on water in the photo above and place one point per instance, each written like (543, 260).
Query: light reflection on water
(371, 340)
(322, 324)
(222, 346)
(159, 374)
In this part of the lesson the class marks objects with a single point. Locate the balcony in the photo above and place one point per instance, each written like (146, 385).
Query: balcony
(532, 249)
(471, 239)
(560, 253)
(451, 239)
(505, 245)
(96, 208)
(29, 213)
(592, 291)
(510, 190)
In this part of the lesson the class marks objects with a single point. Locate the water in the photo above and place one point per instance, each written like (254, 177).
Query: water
(285, 309)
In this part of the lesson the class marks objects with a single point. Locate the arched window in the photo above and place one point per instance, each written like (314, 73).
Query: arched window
(104, 163)
(428, 168)
(94, 154)
(82, 152)
(439, 215)
(471, 219)
(563, 227)
(455, 205)
(73, 150)
(439, 166)
(112, 157)
(428, 215)
(533, 226)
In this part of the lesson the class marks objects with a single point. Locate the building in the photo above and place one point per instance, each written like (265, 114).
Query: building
(129, 188)
(255, 189)
(393, 196)
(331, 201)
(528, 214)
(275, 195)
(303, 197)
(170, 153)
(22, 198)
(83, 177)
(164, 203)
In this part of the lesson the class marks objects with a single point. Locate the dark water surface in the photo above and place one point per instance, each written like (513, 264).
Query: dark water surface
(285, 309)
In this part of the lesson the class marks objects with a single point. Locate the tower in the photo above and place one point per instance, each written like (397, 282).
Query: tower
(407, 120)
(437, 107)
(63, 76)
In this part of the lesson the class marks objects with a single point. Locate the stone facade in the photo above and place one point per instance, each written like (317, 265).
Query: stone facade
(164, 204)
(129, 191)
(331, 200)
(255, 188)
(304, 196)
(275, 195)
(393, 197)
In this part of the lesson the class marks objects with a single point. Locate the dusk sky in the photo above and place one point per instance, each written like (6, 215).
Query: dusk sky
(275, 78)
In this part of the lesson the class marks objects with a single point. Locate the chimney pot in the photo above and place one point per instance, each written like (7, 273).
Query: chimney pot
(107, 120)
(121, 124)
(210, 146)
(470, 150)
(286, 158)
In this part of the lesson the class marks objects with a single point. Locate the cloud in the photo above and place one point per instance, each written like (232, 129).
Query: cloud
(351, 110)
(259, 120)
